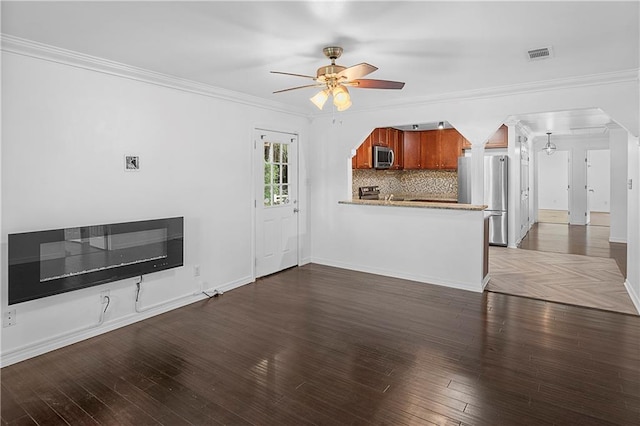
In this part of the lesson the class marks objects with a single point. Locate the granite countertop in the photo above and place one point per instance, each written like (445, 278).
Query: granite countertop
(415, 202)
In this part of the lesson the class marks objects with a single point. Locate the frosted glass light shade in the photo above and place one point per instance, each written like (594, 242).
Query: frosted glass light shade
(320, 98)
(344, 106)
(341, 98)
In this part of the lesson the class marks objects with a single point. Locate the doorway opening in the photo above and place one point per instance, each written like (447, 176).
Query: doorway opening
(553, 187)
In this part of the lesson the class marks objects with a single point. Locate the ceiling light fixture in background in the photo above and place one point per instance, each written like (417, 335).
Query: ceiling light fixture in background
(549, 148)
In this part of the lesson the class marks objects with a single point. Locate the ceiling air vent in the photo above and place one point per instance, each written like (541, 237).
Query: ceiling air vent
(541, 53)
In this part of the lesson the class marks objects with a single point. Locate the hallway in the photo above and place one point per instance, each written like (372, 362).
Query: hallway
(575, 265)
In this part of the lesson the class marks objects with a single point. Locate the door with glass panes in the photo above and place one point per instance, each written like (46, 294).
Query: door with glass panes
(276, 201)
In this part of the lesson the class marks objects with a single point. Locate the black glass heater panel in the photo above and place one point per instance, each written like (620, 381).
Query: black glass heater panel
(45, 263)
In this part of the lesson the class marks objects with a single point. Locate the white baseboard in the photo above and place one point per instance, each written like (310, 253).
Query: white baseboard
(635, 297)
(412, 277)
(305, 261)
(617, 240)
(485, 281)
(68, 338)
(230, 286)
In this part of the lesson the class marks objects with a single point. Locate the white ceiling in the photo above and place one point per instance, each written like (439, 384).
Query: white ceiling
(435, 47)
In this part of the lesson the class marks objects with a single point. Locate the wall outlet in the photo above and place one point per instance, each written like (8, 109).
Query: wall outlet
(196, 270)
(103, 296)
(9, 318)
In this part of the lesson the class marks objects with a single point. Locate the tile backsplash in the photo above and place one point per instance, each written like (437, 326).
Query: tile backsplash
(406, 181)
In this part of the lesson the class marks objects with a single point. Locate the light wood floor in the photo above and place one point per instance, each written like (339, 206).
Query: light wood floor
(575, 239)
(562, 216)
(553, 216)
(594, 282)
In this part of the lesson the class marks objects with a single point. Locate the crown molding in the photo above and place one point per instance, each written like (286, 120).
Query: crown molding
(616, 77)
(46, 52)
(49, 53)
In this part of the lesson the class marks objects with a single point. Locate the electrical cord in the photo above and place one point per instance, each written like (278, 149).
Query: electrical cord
(104, 311)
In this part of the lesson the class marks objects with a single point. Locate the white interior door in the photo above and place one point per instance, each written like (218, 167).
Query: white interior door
(276, 201)
(599, 180)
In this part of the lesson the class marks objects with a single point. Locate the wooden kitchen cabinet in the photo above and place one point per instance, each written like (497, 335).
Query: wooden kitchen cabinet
(395, 140)
(450, 147)
(383, 136)
(379, 137)
(440, 149)
(432, 150)
(498, 140)
(364, 157)
(429, 150)
(411, 150)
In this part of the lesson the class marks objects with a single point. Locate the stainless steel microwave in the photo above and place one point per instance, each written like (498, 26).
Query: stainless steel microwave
(382, 157)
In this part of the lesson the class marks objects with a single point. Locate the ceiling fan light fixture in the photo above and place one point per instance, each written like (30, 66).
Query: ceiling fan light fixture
(320, 98)
(344, 106)
(549, 148)
(341, 98)
(333, 78)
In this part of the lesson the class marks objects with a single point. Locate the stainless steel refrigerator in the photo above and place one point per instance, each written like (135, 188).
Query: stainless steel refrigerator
(495, 193)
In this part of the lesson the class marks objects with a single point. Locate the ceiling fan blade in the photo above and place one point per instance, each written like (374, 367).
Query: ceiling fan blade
(295, 75)
(376, 84)
(357, 71)
(301, 87)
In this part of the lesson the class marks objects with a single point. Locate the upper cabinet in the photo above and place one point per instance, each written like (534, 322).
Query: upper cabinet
(433, 149)
(440, 149)
(386, 136)
(411, 154)
(449, 148)
(364, 157)
(498, 140)
(395, 140)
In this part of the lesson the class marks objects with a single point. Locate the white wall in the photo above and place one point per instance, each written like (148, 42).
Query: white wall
(633, 224)
(475, 117)
(618, 141)
(64, 136)
(553, 179)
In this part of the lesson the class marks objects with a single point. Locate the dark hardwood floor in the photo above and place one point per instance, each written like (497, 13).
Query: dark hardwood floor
(575, 239)
(320, 345)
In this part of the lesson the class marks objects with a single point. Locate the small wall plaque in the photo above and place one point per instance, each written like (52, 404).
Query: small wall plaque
(131, 163)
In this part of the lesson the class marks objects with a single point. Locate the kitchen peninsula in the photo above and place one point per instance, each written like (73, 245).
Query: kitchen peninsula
(440, 243)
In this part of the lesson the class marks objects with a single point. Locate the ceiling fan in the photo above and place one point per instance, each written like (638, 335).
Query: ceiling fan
(334, 80)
